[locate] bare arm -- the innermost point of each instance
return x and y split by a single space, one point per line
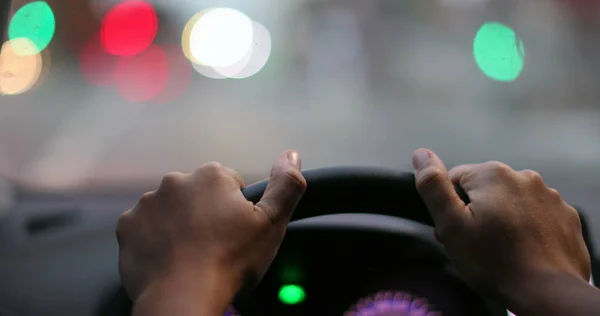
187 295
556 295
516 240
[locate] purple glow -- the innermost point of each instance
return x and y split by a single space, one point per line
231 312
392 304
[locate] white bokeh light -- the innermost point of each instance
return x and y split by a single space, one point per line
221 37
261 51
207 71
254 60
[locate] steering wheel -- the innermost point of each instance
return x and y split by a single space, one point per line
346 190
343 190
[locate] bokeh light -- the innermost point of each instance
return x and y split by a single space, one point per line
97 66
236 68
219 37
187 31
46 66
142 77
179 76
250 64
18 72
129 28
34 21
498 52
207 71
261 51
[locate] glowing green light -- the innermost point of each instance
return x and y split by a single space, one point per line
34 21
291 294
498 52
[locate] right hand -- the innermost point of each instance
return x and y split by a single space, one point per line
515 232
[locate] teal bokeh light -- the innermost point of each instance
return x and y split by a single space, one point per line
34 21
498 52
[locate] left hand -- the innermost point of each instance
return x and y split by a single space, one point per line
198 236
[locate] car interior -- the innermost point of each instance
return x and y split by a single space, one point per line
353 85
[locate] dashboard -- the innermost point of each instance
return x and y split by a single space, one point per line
59 256
350 263
339 268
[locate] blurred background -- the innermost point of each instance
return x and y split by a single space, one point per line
100 98
108 94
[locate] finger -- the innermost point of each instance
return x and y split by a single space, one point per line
235 176
214 171
123 226
458 172
437 191
286 187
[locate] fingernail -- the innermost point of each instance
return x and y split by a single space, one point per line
294 158
420 158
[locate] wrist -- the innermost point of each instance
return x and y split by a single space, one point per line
186 292
543 294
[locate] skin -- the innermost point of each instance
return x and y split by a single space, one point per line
517 241
190 246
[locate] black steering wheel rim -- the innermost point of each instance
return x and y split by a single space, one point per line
340 190
343 190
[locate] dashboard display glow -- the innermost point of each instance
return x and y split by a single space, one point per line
392 304
231 312
291 294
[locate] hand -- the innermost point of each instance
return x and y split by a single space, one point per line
516 232
198 236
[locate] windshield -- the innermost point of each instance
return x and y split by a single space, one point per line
102 92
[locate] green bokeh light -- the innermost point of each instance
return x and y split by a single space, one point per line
291 294
498 52
34 21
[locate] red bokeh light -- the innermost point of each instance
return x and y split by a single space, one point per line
97 66
179 77
129 28
142 77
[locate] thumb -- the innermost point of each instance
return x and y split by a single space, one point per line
436 189
285 189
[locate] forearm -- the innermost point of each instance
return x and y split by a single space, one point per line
556 296
186 296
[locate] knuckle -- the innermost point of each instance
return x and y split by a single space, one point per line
574 215
498 168
532 176
147 198
554 193
212 169
429 176
123 222
171 179
294 176
213 166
